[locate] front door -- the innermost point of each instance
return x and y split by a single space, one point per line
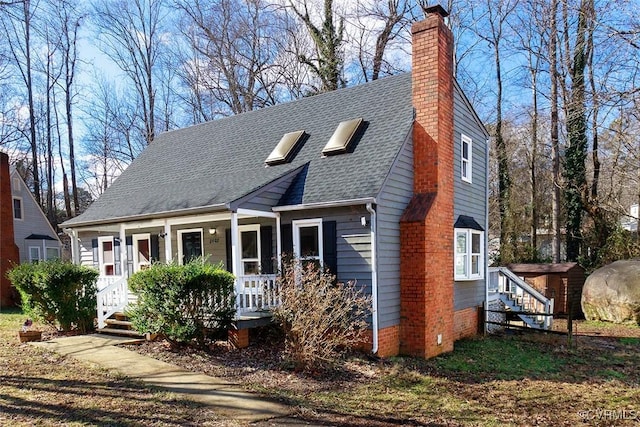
141 251
250 249
190 245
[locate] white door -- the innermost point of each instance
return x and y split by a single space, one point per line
141 251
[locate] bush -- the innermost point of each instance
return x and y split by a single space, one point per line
182 302
59 293
320 318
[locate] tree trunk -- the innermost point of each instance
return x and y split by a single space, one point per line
555 147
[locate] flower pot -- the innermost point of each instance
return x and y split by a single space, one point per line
28 336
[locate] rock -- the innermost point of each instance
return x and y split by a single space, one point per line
612 293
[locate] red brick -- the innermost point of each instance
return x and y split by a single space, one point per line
9 255
426 228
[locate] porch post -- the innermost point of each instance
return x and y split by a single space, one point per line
123 252
235 269
167 242
75 247
278 242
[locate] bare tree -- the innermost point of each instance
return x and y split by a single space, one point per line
234 45
16 24
131 35
376 26
327 61
497 13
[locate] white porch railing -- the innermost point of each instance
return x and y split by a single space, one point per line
255 293
113 296
503 282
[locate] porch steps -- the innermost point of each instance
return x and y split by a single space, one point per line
118 324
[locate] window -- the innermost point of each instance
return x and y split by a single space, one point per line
17 208
106 256
307 240
34 253
469 257
52 253
465 154
250 248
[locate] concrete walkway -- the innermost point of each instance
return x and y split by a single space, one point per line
227 399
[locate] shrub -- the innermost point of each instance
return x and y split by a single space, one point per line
59 293
182 302
320 318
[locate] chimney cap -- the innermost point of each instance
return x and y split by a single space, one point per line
436 9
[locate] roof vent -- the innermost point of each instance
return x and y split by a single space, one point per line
284 148
341 137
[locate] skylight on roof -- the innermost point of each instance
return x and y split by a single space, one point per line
284 148
341 137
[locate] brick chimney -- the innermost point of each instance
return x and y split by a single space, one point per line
426 227
9 255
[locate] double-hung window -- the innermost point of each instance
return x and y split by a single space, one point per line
466 158
17 208
469 254
307 240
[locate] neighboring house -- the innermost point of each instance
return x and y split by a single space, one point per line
384 183
35 237
25 233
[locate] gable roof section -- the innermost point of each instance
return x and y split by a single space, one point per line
209 166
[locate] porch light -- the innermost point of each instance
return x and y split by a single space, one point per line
162 235
212 231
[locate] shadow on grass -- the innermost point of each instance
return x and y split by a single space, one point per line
68 401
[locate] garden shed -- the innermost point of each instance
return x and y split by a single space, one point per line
563 282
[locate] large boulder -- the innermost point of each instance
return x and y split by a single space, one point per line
612 293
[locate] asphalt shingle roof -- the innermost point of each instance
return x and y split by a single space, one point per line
215 163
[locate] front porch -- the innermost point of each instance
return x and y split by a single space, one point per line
256 295
244 242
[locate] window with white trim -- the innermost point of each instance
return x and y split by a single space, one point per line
466 158
250 248
17 208
52 253
469 254
34 253
307 240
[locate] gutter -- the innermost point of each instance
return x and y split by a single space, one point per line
374 277
155 215
362 201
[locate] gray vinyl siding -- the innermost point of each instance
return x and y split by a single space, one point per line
33 222
392 201
353 241
469 198
265 198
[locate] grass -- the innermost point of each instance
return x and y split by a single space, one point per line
496 381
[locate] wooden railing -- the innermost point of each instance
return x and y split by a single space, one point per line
113 297
256 293
503 281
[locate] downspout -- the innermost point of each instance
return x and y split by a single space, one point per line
374 278
486 238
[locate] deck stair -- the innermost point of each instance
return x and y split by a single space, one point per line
119 324
527 304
